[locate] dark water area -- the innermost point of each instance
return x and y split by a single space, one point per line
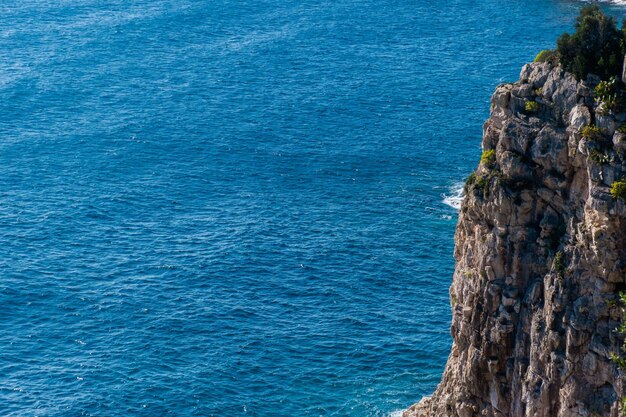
228 208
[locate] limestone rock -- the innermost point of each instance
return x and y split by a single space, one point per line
579 117
533 334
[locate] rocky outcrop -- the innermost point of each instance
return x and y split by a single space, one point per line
540 258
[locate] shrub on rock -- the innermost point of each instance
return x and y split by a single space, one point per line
531 107
596 47
545 55
618 190
488 158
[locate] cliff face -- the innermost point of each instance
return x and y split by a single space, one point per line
540 258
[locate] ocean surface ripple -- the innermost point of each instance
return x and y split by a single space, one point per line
225 208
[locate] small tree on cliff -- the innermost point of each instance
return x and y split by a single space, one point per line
597 46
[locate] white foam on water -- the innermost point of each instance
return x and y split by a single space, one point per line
454 196
614 2
397 413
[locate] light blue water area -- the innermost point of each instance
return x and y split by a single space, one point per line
231 207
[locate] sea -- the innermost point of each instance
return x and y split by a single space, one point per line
240 208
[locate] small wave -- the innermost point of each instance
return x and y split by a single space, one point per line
454 196
611 2
397 413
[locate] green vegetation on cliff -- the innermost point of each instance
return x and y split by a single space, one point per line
545 55
596 47
618 190
531 107
592 132
488 158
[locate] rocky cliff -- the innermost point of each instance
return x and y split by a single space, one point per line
540 259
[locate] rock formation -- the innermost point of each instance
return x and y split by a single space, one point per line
540 259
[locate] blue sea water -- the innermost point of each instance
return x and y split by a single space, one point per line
236 208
